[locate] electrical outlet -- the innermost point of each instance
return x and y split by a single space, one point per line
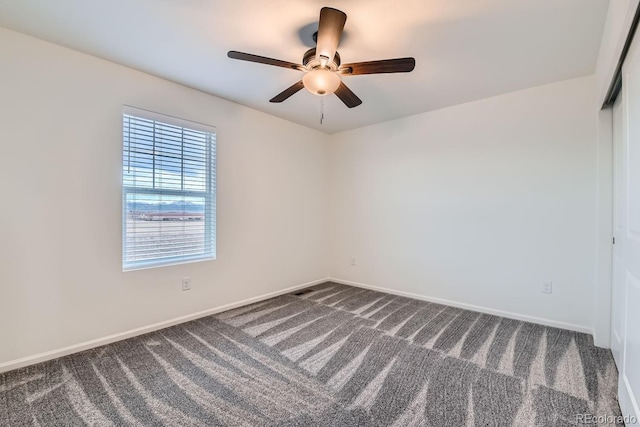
547 287
186 283
353 261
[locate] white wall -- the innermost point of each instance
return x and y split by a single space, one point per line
476 204
60 219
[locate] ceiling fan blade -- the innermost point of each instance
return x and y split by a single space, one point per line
329 33
347 96
398 65
287 92
264 60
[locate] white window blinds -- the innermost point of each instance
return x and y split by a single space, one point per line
169 190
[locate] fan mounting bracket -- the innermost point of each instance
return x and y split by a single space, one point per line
310 61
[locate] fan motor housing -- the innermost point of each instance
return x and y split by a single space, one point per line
309 60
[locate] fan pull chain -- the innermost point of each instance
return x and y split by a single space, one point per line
321 110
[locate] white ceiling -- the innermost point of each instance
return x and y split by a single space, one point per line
465 49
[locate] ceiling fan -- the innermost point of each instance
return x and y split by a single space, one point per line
322 66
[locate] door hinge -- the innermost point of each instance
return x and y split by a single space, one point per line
614 240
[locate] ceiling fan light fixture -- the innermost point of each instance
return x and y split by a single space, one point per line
322 65
321 81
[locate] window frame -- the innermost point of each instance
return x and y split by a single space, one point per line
208 194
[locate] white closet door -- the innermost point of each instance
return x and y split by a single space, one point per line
626 258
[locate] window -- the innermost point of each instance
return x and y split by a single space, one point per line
168 190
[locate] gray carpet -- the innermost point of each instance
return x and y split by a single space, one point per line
336 356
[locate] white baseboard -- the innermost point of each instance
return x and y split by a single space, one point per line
508 314
600 340
53 354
